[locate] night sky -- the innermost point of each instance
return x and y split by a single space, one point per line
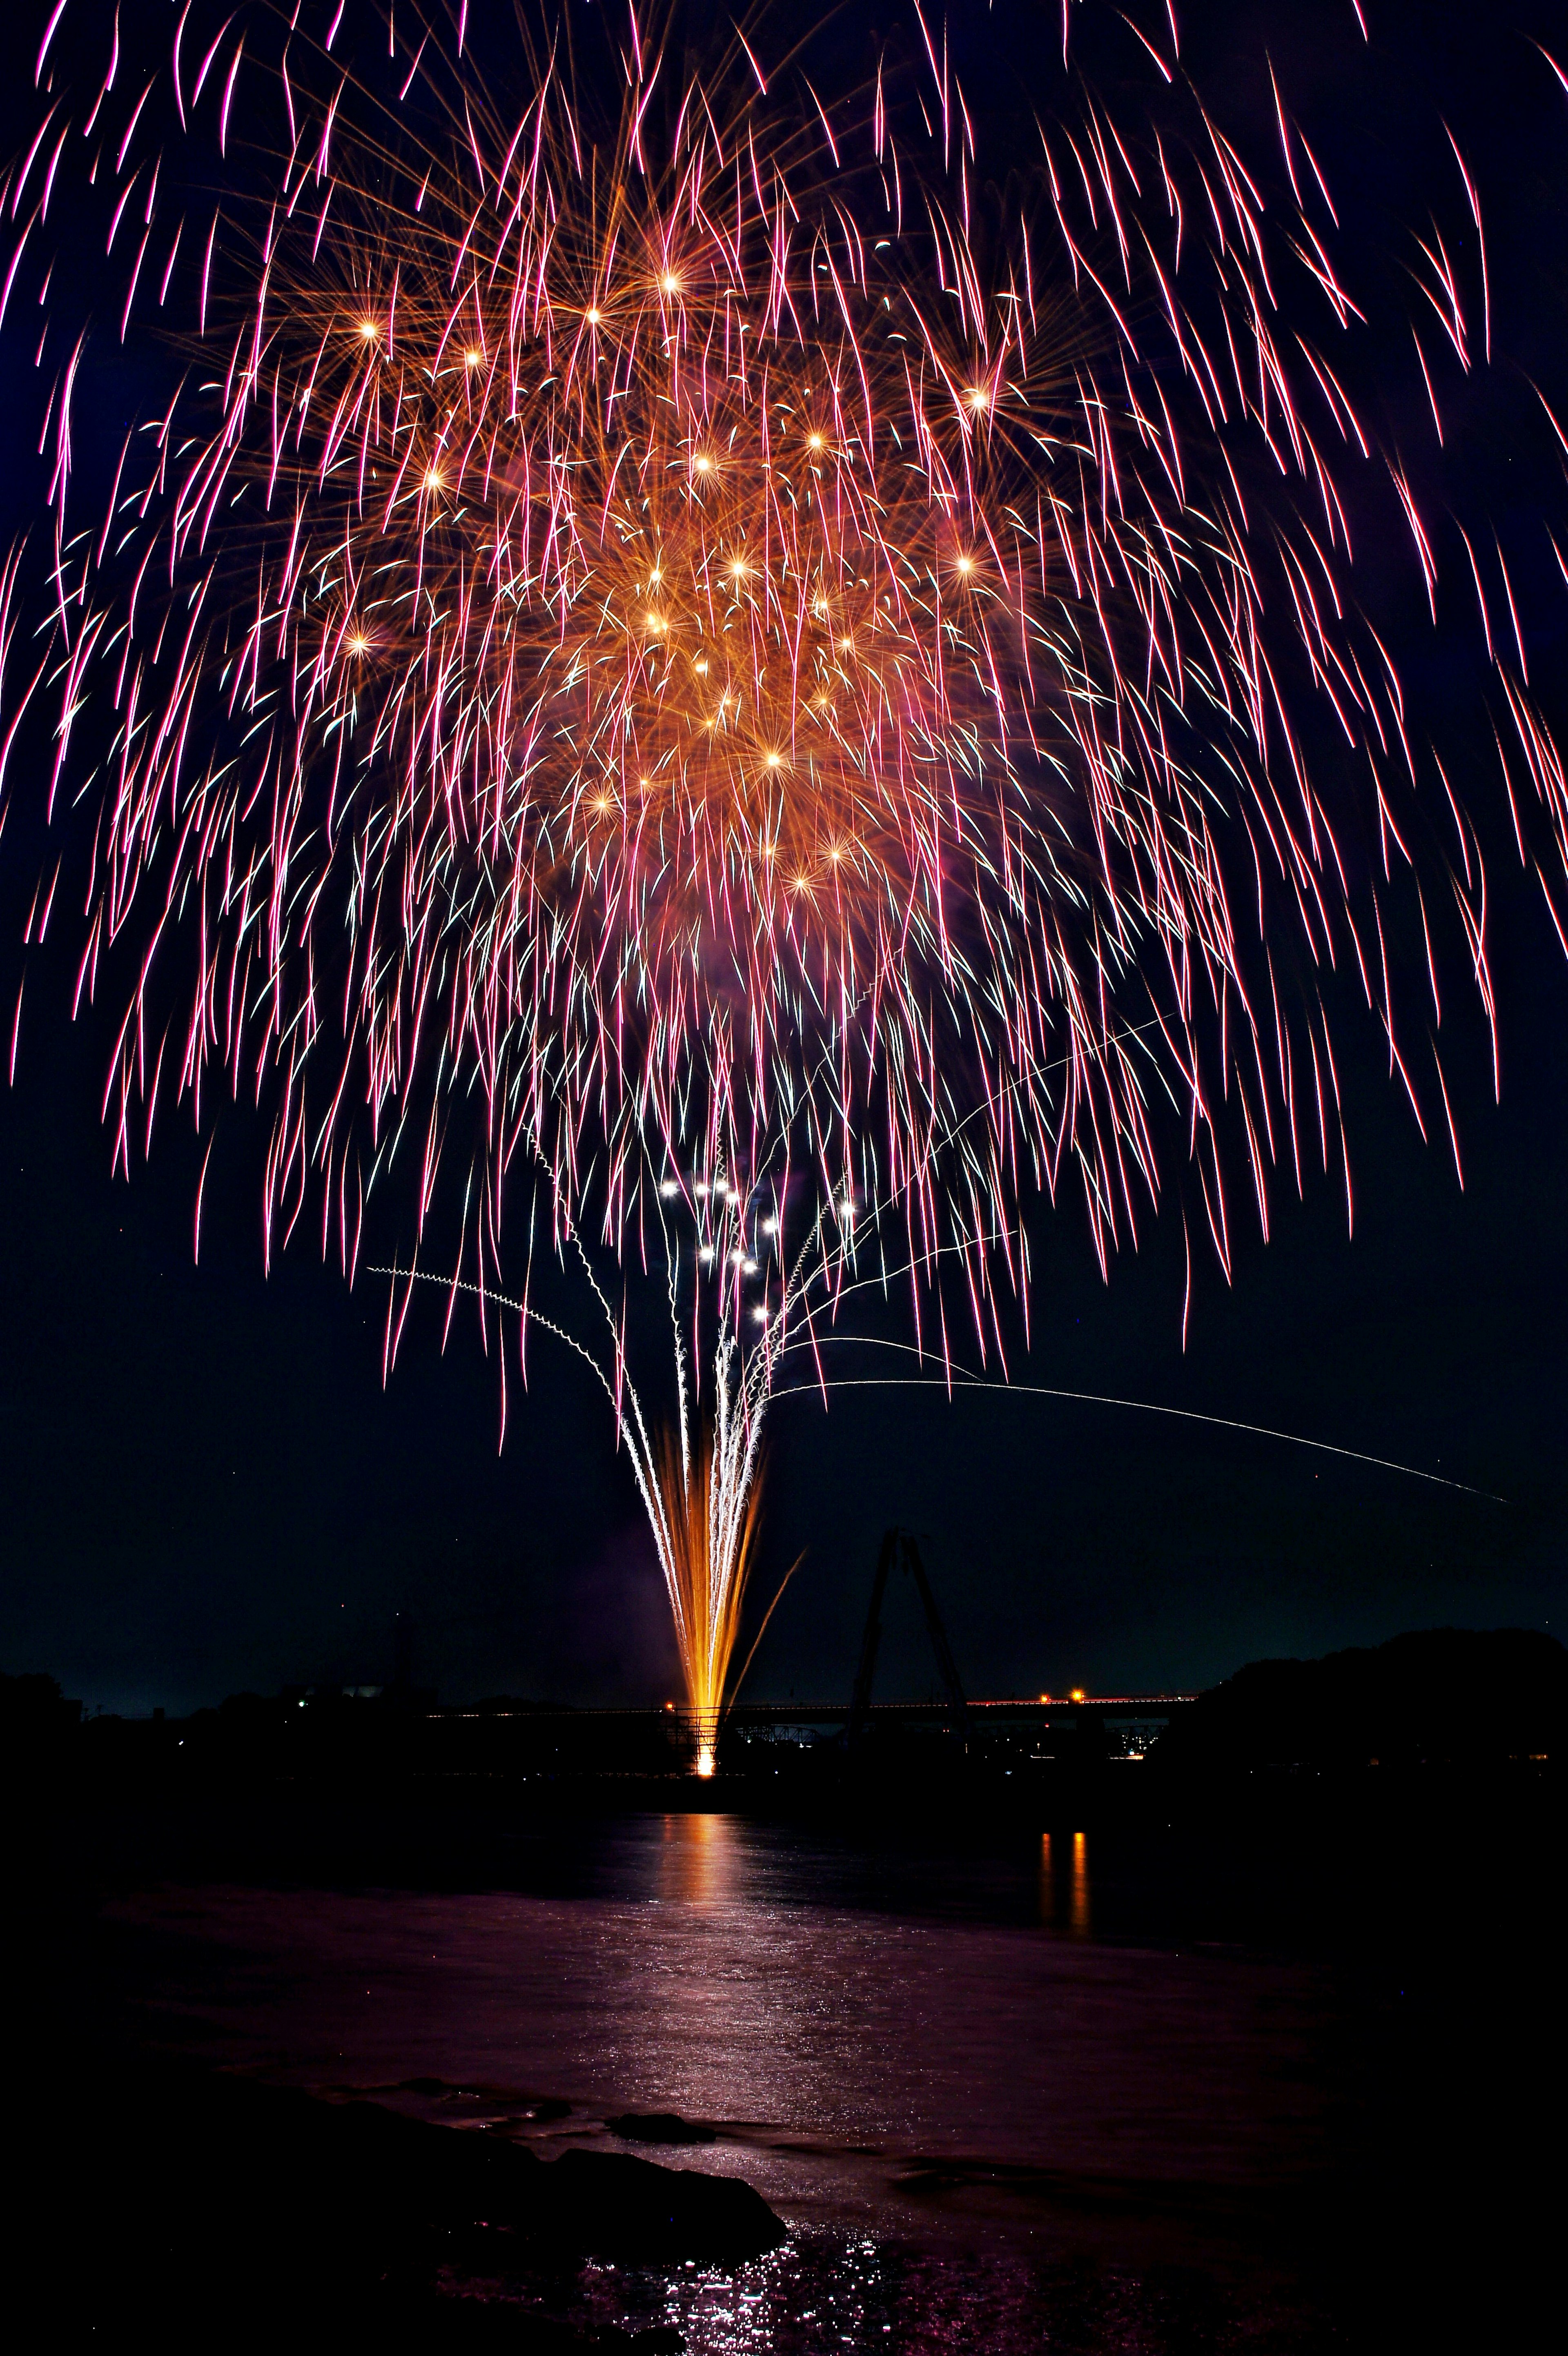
206 1487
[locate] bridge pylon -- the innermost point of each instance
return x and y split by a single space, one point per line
898 1546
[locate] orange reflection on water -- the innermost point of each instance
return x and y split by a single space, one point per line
698 1860
1071 1894
1078 1916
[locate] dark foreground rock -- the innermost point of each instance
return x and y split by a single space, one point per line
615 2206
660 2127
592 2203
186 2197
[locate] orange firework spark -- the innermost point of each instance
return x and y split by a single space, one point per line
650 536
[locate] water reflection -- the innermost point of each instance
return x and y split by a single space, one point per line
699 1861
1079 1917
818 2291
860 2295
1071 1894
930 2081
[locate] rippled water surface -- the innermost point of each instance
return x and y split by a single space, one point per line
987 2124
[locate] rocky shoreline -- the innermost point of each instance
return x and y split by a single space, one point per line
216 2202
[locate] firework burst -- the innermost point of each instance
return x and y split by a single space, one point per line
669 655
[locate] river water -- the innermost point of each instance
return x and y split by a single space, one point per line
1005 2095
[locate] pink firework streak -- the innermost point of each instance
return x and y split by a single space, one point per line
667 656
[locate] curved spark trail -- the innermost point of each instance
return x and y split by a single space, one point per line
676 678
963 1385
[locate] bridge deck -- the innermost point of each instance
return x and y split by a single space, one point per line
833 1713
